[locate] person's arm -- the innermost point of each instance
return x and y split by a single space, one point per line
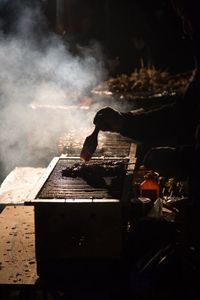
154 126
151 127
161 125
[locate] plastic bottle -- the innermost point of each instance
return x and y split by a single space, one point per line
149 188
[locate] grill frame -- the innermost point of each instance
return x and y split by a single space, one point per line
54 248
33 196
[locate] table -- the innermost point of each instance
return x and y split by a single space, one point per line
17 186
17 246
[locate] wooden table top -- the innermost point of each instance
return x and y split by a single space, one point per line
18 185
17 246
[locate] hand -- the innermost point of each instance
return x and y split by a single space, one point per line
108 119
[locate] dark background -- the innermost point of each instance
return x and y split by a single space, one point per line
129 30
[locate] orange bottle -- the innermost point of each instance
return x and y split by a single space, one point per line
149 188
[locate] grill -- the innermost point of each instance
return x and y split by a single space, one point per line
75 221
54 186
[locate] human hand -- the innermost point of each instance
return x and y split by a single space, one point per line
108 119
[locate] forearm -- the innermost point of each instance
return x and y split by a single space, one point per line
151 127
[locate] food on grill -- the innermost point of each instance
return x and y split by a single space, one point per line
144 82
103 174
108 168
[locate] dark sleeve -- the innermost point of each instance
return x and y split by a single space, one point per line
163 126
151 127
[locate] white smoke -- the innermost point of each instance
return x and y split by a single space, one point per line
38 68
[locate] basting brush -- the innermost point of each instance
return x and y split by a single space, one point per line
90 145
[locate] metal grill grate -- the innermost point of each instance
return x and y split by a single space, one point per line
109 145
53 186
59 187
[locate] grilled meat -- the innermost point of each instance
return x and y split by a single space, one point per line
108 168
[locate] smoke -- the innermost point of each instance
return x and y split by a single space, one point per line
38 68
